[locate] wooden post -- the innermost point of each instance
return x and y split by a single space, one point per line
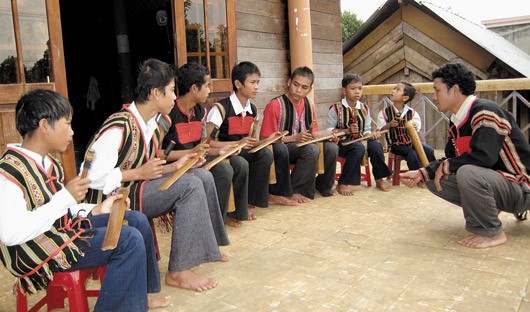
300 40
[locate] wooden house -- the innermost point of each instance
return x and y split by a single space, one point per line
90 50
408 39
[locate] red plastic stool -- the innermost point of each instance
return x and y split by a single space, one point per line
394 163
366 177
70 284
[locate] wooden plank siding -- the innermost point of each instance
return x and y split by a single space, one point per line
263 38
326 32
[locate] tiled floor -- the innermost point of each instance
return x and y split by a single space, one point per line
374 251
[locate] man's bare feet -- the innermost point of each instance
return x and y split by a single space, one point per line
281 200
232 222
251 215
224 257
344 189
190 280
155 301
381 184
478 241
299 198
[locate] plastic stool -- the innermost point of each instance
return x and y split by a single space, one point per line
70 284
366 177
394 163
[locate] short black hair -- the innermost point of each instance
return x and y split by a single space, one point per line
409 91
191 74
304 71
153 74
40 104
351 78
456 74
242 70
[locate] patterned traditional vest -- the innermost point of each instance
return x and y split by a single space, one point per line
399 134
234 127
185 130
289 120
347 115
57 248
132 153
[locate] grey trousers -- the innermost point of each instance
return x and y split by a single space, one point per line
482 192
198 228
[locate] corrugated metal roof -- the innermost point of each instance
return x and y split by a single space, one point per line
501 48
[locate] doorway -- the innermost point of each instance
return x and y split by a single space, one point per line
94 68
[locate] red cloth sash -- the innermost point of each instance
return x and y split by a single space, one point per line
238 125
188 132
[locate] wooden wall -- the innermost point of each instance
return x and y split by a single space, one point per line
263 38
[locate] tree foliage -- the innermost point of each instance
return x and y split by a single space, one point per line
350 24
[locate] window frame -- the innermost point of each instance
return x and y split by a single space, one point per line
181 53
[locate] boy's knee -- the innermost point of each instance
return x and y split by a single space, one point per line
312 150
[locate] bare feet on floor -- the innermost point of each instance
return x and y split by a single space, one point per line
190 280
299 198
224 257
381 184
344 189
478 241
155 301
232 222
281 200
251 215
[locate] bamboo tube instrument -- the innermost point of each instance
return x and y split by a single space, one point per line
117 213
228 153
89 157
320 163
182 170
363 138
254 134
323 138
231 201
416 143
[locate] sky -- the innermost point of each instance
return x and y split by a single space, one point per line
475 10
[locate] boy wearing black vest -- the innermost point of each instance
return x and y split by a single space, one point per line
353 117
44 230
393 118
294 112
235 116
188 127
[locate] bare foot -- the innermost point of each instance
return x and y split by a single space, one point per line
251 215
381 184
224 257
190 280
346 190
478 241
299 198
154 301
281 200
232 222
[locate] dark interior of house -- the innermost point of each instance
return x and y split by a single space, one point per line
95 72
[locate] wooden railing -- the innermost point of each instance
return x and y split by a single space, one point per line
515 103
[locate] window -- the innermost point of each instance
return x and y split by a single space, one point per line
206 35
24 52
